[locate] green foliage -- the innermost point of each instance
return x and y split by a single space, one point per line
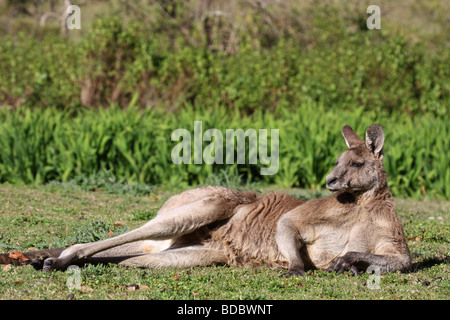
304 69
37 79
108 148
131 64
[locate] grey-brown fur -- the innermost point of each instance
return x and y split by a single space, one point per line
355 227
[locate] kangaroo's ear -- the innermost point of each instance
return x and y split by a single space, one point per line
375 139
351 138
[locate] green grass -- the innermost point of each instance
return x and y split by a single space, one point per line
58 215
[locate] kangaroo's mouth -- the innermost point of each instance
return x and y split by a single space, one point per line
338 187
334 187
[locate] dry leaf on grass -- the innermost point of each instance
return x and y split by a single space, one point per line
17 255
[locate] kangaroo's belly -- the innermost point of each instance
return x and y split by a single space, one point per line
324 250
330 242
248 238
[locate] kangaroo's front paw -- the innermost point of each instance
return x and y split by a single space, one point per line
342 264
293 272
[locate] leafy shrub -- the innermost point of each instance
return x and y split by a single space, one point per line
38 73
111 147
306 71
131 64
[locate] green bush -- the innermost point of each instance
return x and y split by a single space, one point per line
131 64
133 146
38 73
265 68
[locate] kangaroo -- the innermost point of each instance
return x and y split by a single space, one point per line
354 228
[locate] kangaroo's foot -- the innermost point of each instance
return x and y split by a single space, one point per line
53 264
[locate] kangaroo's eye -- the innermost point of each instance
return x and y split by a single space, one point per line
357 164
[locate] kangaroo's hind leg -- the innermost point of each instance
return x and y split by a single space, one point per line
181 258
152 246
172 224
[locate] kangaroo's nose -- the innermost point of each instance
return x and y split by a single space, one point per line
331 180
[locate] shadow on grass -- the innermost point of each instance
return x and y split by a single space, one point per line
428 263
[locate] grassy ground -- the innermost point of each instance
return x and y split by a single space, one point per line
57 215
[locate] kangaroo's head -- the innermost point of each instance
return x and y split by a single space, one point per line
360 168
